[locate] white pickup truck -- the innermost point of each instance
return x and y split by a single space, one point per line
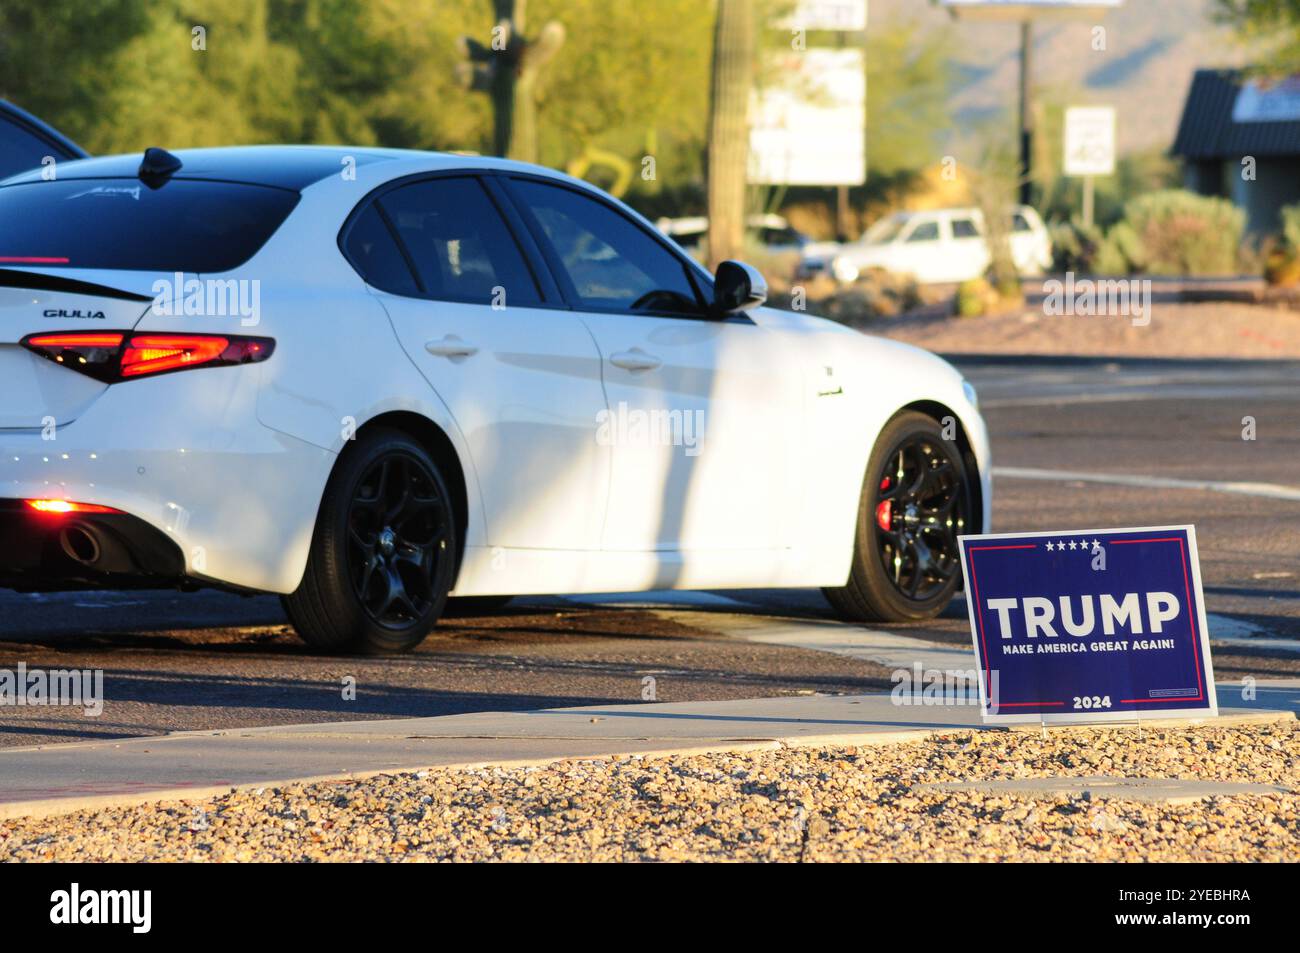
938 246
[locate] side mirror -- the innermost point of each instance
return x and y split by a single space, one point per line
737 287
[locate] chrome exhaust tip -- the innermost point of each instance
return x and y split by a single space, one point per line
81 543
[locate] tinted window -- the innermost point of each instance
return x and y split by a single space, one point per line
1020 223
459 243
925 232
964 228
374 253
612 264
20 150
120 223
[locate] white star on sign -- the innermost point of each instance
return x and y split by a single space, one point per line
1072 546
1096 544
1050 547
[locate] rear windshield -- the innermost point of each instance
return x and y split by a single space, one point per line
186 225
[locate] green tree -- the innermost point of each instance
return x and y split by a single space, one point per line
631 73
994 186
56 56
909 83
347 68
1271 26
200 79
119 75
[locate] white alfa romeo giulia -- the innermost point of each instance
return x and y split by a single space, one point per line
367 380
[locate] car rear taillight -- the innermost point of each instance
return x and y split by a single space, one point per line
60 507
113 356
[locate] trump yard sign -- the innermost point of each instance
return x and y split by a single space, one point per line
1095 625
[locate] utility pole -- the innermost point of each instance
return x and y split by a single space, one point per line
507 69
728 163
1026 112
1026 11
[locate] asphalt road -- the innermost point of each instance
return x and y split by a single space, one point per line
1164 436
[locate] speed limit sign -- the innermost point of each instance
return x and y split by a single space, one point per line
1090 140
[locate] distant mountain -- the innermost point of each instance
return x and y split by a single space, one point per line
1152 49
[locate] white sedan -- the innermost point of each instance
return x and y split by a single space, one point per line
368 380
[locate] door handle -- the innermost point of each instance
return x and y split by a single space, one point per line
451 346
634 360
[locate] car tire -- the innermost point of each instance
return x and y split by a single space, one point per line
916 500
383 554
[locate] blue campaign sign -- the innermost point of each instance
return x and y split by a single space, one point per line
1094 625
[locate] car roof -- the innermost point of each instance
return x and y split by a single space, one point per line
699 224
954 210
286 167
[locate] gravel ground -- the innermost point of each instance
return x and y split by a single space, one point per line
834 804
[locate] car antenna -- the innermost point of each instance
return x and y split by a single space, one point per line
157 167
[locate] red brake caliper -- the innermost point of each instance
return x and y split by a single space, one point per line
885 509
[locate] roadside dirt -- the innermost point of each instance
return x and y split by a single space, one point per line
1176 330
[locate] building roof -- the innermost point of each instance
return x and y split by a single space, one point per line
1209 131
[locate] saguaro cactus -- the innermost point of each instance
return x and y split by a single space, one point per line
507 69
733 72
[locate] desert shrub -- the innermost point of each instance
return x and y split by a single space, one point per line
876 294
972 298
1282 256
1074 245
1121 252
1291 226
1182 233
1282 267
1277 257
982 296
1088 250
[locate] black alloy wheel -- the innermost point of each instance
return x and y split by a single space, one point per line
916 500
398 528
384 553
921 507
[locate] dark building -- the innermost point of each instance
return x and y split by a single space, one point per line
1232 129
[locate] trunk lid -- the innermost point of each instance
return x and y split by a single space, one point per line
35 392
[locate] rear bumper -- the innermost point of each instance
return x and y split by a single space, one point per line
187 458
44 552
